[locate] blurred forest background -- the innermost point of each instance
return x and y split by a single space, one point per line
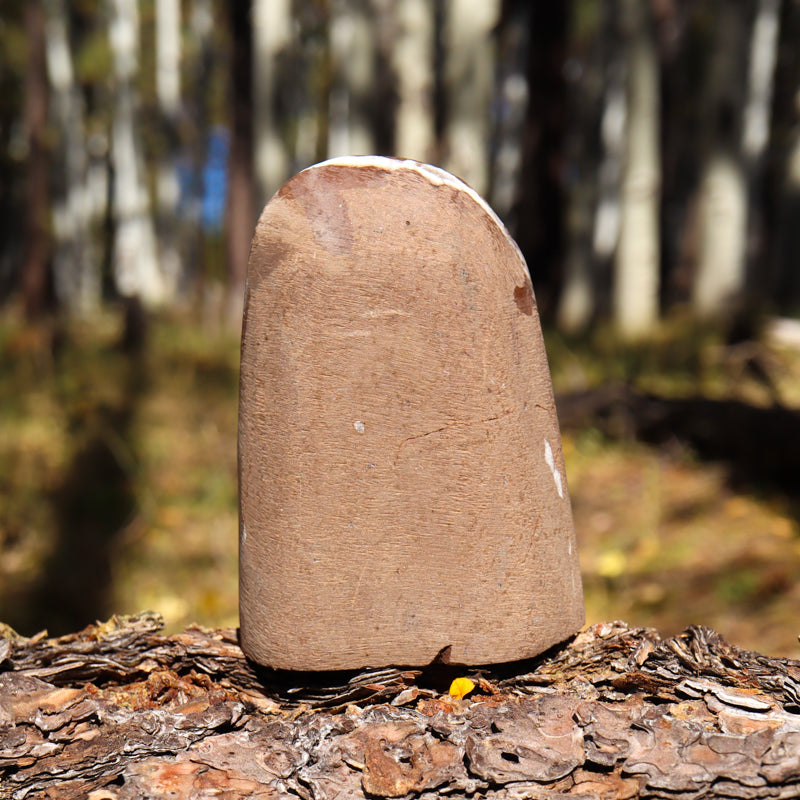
644 153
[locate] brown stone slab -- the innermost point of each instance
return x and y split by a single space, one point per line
402 484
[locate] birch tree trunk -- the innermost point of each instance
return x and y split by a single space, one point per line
613 124
413 66
469 80
763 54
76 267
722 194
723 222
636 278
136 268
353 58
272 27
168 91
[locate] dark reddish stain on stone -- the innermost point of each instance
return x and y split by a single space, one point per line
523 297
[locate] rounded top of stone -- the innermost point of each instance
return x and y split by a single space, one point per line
434 175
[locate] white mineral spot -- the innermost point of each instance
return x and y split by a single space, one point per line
550 461
244 534
359 426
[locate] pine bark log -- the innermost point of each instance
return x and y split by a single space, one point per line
121 711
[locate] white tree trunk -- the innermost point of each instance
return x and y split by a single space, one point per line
636 279
76 268
353 57
763 54
469 53
612 131
722 194
168 91
593 196
577 302
413 66
136 268
272 33
168 56
723 224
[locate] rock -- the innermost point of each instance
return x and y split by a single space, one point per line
402 485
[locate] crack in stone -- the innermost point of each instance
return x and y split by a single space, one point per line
467 423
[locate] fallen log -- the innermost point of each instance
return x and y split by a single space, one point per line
121 711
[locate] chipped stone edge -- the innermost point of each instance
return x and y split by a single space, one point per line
551 463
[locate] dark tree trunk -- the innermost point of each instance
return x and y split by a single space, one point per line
539 221
241 215
34 279
681 111
780 284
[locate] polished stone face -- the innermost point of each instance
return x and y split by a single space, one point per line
402 485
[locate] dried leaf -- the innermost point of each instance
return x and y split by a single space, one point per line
461 687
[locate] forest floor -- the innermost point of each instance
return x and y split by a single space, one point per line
118 482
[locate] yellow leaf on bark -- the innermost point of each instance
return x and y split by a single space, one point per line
461 687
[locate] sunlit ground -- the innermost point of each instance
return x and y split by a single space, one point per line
118 489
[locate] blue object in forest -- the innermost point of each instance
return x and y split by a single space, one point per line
215 180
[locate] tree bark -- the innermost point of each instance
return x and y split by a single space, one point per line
612 132
510 108
413 58
37 249
469 79
352 46
272 24
539 221
722 194
782 287
136 267
636 278
590 101
121 711
241 208
168 91
76 265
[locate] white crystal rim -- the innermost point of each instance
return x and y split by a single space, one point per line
435 175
